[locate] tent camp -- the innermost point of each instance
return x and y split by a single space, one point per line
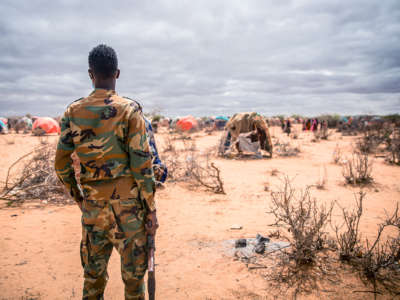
46 125
186 123
243 123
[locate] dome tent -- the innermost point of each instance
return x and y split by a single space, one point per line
186 123
48 125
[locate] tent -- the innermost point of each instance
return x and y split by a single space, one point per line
27 121
186 123
222 118
48 125
247 122
4 120
3 127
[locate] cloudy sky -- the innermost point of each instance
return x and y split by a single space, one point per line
206 57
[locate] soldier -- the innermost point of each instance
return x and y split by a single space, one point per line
117 186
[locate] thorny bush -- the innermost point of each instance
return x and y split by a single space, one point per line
380 260
205 173
38 179
304 219
393 147
348 241
358 169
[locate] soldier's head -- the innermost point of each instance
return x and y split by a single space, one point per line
103 67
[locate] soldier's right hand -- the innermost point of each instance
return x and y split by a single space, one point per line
151 224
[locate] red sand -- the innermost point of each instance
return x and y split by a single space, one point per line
39 245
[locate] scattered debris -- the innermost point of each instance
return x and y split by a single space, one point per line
240 243
236 227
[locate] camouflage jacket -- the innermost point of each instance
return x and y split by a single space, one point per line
108 133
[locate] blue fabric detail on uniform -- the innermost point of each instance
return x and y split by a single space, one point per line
154 152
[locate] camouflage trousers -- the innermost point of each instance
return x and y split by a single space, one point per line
105 225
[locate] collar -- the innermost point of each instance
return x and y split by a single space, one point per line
103 93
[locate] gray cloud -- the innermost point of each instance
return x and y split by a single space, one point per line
206 57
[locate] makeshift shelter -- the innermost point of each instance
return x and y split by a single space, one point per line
46 125
222 118
220 122
187 123
27 121
3 127
4 120
243 123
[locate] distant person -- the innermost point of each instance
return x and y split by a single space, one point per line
117 186
288 127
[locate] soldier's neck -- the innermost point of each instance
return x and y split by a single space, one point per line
106 85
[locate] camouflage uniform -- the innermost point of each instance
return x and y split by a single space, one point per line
116 188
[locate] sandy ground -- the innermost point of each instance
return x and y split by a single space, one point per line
39 244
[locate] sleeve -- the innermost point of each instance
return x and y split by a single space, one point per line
140 158
63 161
160 170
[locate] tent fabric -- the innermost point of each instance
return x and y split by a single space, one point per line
222 118
2 124
186 123
49 125
4 120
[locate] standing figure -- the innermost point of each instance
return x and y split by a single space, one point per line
117 187
288 127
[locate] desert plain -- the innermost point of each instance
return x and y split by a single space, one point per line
39 241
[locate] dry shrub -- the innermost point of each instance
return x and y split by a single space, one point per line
322 179
376 262
286 149
274 172
205 173
8 140
304 219
170 157
175 168
337 155
373 136
38 179
358 169
348 241
380 260
169 145
189 146
322 134
393 147
316 137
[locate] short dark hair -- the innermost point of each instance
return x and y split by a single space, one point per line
103 61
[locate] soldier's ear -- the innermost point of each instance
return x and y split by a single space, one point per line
117 74
91 74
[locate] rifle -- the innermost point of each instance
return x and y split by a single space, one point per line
151 279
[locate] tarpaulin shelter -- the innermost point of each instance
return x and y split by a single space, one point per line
248 122
186 123
27 121
48 125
